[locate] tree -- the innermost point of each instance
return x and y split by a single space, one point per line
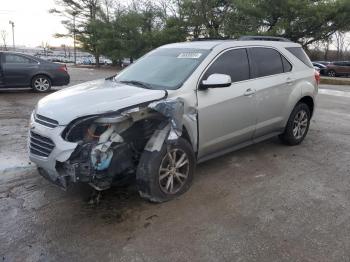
3 35
206 18
340 43
117 30
302 21
46 47
80 18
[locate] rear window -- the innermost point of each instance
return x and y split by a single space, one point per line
340 63
299 53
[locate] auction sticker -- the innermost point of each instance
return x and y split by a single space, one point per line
190 55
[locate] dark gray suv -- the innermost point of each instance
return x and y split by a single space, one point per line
20 70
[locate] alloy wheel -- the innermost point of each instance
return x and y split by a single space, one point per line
173 171
41 84
331 73
300 124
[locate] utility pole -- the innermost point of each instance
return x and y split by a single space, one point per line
74 45
13 33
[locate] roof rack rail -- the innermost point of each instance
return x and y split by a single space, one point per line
210 39
263 38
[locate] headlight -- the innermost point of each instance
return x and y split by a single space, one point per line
76 130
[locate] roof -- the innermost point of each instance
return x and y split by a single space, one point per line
210 44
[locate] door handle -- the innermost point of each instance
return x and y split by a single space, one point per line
289 81
249 92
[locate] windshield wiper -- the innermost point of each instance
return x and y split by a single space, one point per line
137 83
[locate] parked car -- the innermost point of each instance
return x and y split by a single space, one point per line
126 62
20 70
325 63
87 61
321 68
179 105
340 68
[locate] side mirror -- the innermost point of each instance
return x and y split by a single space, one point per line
215 81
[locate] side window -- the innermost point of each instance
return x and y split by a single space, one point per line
266 61
233 63
299 53
287 67
17 59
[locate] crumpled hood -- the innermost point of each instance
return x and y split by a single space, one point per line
94 97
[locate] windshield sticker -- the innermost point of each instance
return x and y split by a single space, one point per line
190 55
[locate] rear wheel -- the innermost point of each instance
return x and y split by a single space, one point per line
41 83
164 175
331 73
297 125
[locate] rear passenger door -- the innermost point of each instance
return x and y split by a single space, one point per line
226 116
18 69
273 83
342 68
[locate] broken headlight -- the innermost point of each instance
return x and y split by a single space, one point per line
76 130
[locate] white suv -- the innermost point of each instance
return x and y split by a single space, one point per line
179 105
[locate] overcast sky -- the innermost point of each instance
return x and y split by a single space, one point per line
33 23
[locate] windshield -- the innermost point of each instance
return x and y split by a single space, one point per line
165 68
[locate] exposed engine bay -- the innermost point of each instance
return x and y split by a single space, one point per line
110 145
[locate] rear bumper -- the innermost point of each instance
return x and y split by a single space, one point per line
61 80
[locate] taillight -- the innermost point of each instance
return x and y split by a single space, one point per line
317 77
63 68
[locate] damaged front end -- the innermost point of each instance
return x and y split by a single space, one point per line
109 146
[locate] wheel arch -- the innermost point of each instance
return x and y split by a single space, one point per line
309 101
185 135
40 74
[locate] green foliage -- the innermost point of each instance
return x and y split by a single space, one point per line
304 21
108 28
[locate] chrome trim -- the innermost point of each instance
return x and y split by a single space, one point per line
40 145
45 121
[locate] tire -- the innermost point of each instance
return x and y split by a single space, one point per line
154 165
297 125
41 83
331 73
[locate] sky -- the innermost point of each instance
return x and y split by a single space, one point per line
33 23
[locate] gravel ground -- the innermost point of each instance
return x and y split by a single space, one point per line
267 202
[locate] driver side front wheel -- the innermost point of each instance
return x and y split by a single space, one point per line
166 174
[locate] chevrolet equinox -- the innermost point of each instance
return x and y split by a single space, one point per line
179 105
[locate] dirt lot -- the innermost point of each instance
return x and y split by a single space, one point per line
267 202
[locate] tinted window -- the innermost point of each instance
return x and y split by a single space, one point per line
266 61
287 67
233 63
17 59
301 55
339 63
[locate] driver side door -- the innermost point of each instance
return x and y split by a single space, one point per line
227 116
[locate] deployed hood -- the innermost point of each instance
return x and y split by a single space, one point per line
95 97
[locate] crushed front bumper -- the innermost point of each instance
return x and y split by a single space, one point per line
60 152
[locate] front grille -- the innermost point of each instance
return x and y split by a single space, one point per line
40 146
45 121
